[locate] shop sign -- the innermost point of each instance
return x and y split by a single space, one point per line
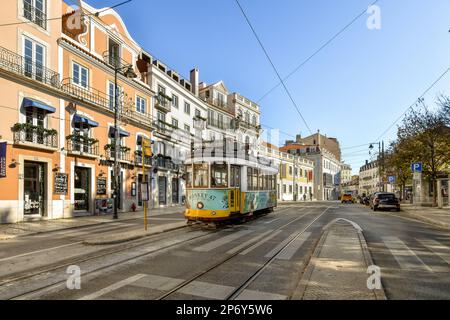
2 159
61 183
101 186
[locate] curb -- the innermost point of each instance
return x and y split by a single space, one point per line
7 237
380 294
299 292
134 237
421 218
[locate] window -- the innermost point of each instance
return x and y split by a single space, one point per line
249 178
114 52
254 121
219 175
187 108
175 122
189 173
201 175
175 101
80 75
34 10
247 117
141 104
235 179
220 99
290 189
255 179
161 119
284 188
198 113
112 96
34 54
221 126
210 117
187 128
290 170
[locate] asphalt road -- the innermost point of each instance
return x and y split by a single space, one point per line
238 262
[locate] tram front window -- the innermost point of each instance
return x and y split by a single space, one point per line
201 175
219 176
189 174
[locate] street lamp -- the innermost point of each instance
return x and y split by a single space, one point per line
380 160
129 73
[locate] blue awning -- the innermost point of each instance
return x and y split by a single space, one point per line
31 103
80 119
122 133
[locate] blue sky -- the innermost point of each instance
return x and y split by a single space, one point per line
353 89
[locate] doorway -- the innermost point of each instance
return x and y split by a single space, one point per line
82 190
162 190
175 190
34 188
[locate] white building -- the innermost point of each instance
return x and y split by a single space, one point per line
369 178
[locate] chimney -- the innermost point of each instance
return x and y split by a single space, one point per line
194 81
319 142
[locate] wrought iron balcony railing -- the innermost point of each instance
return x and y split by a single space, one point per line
24 134
34 14
15 63
166 163
148 161
82 145
124 155
218 124
162 102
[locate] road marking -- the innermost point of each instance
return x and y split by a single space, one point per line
158 282
289 251
113 287
224 240
280 245
256 245
75 233
269 222
405 257
259 295
249 242
438 248
40 251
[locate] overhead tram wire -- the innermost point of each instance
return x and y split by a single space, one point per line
415 102
59 18
323 46
273 65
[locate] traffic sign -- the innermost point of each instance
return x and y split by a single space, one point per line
417 167
392 179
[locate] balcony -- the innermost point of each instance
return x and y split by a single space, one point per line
163 128
124 153
14 63
166 163
79 145
218 124
35 136
138 159
163 102
34 15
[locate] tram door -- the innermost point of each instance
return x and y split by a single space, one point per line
235 184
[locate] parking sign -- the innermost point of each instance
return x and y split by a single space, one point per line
417 167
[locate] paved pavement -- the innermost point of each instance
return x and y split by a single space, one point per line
10 231
435 216
264 259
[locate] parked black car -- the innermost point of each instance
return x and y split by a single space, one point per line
384 200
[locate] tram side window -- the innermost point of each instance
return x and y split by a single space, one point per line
267 182
235 179
261 180
250 179
219 175
201 175
189 172
255 179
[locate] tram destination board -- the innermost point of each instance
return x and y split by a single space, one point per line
61 183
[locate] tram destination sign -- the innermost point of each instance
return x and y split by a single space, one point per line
61 183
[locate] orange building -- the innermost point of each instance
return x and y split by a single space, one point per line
57 83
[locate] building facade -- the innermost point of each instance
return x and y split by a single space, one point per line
369 178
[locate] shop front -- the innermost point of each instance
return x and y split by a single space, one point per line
34 189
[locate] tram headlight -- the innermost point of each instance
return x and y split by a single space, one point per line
213 213
200 205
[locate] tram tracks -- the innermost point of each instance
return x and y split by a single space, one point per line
233 295
11 281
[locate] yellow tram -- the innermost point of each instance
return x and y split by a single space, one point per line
223 186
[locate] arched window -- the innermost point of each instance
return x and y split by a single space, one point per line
247 140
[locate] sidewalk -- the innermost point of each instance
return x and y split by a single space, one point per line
338 267
11 231
434 216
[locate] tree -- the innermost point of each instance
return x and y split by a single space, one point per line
398 159
426 136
